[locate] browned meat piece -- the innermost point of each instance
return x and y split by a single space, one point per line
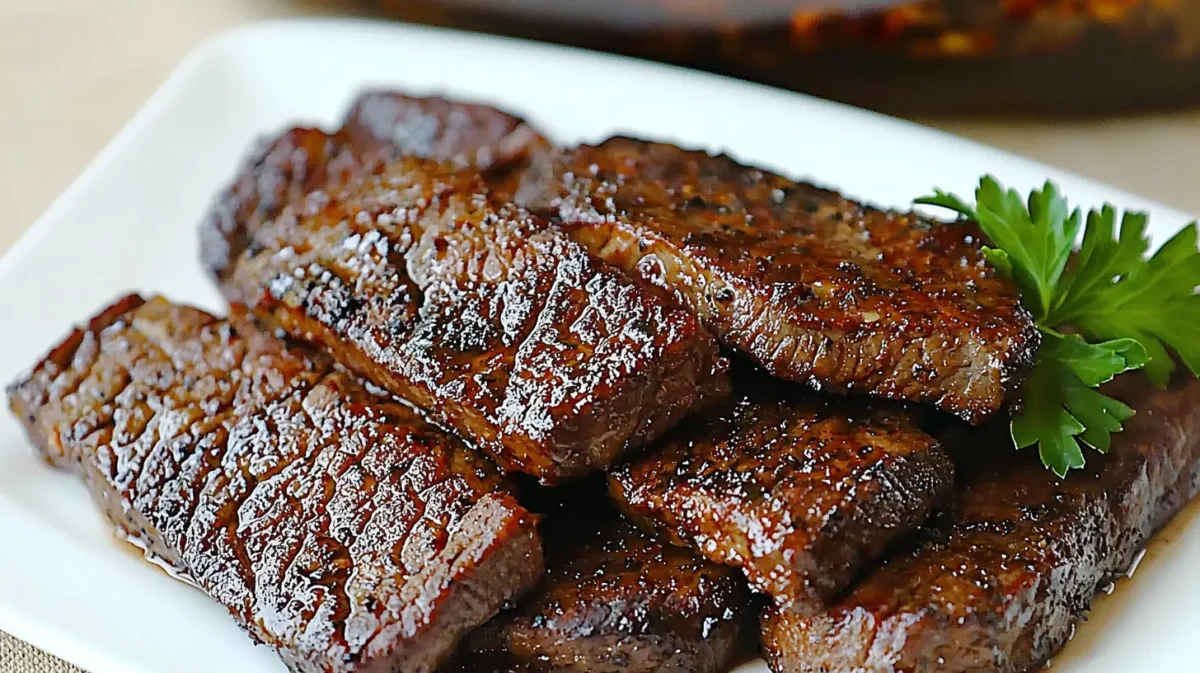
515 158
275 174
335 526
798 492
379 126
813 287
614 601
1002 589
502 327
465 134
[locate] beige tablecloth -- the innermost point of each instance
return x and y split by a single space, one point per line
72 71
17 657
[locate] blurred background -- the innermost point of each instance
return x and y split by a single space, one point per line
1107 88
939 57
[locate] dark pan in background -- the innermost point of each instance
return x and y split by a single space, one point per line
923 57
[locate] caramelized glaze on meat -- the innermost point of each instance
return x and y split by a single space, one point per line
464 134
335 526
614 601
797 492
274 174
503 328
811 286
423 277
380 125
1002 587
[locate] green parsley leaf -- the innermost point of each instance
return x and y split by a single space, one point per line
1130 312
1094 364
1102 257
1117 293
1061 403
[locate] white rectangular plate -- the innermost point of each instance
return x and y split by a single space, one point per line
129 222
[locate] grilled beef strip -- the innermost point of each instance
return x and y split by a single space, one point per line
811 286
614 600
797 491
1001 589
380 125
499 325
424 278
336 526
513 156
466 134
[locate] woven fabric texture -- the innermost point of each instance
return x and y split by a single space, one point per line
17 656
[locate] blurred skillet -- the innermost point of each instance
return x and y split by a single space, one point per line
914 57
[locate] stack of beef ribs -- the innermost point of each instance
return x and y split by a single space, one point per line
770 402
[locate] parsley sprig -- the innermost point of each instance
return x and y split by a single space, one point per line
1102 310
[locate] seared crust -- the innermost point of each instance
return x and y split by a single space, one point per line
422 277
1002 588
275 173
425 283
614 601
380 125
465 134
797 492
335 526
813 287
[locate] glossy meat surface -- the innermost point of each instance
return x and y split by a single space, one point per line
465 134
380 125
614 600
797 492
274 174
337 527
424 282
445 294
1001 588
813 287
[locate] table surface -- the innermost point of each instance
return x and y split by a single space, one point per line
75 70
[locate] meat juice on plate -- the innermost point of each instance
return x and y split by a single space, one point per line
1114 602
